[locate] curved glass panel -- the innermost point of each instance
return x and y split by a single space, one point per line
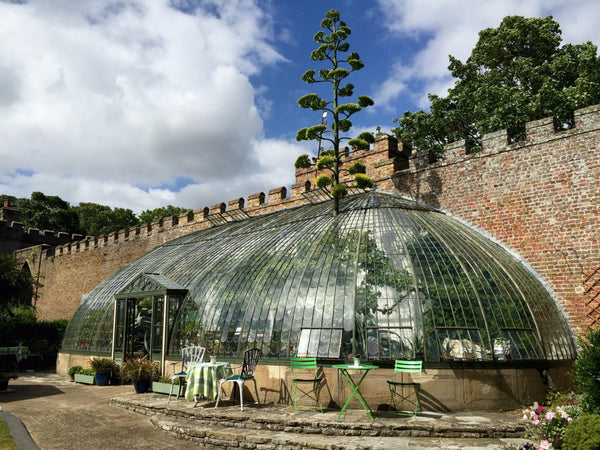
386 278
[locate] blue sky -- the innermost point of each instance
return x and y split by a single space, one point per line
140 104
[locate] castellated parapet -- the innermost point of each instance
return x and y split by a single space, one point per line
539 197
14 237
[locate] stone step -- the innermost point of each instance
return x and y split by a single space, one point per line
216 437
279 427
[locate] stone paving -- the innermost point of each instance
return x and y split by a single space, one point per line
61 414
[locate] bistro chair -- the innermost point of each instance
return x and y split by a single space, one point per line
305 383
247 373
410 370
189 356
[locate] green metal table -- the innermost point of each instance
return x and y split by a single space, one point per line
344 370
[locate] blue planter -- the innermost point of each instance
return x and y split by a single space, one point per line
141 386
102 378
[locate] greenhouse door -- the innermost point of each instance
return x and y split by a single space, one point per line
139 328
145 313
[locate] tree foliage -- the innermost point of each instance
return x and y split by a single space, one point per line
16 285
516 73
97 219
156 214
48 212
89 219
587 371
332 47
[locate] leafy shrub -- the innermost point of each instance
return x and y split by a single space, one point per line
339 191
303 162
323 181
548 423
587 371
363 181
103 365
42 337
75 369
167 379
583 433
357 167
140 369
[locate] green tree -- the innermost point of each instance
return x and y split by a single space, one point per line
153 215
587 370
516 73
96 219
16 285
331 50
48 213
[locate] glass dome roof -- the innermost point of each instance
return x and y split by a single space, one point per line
386 278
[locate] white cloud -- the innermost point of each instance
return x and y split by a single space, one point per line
445 28
276 159
99 98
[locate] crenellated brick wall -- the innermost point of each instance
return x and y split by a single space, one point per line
539 197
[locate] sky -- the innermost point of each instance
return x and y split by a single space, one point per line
148 103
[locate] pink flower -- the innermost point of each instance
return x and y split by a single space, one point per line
540 409
545 445
562 412
550 415
536 422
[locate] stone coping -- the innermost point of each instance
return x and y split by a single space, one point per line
354 422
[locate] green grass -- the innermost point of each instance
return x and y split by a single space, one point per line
6 440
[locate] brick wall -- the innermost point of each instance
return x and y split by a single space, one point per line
539 197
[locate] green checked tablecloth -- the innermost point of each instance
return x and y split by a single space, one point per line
203 379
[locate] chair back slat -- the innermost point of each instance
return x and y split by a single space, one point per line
303 363
251 358
408 366
413 367
192 355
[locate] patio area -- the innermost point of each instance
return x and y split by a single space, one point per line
61 414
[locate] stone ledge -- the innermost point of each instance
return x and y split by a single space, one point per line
268 424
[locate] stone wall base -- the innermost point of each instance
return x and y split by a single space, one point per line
442 389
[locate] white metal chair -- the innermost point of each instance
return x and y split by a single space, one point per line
189 356
248 366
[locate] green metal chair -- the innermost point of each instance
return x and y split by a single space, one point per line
305 383
399 384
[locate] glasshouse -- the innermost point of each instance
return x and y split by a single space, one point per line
387 278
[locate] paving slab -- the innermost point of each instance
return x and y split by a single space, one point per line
59 414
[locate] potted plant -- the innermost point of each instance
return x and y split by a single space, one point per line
419 348
5 378
103 368
447 351
86 377
163 385
73 370
141 371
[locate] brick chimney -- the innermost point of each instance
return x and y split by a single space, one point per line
8 213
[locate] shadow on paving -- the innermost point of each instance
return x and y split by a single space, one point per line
59 414
19 392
